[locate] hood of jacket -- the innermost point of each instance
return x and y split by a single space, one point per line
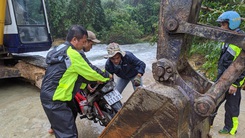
57 54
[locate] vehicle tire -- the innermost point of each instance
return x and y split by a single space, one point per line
107 118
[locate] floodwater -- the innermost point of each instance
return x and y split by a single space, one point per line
22 115
20 110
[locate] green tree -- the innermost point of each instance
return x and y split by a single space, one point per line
64 13
56 13
124 33
146 14
213 9
209 49
121 28
141 16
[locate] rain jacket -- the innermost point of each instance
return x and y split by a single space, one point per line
228 54
65 65
81 83
129 67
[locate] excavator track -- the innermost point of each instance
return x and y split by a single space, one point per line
29 67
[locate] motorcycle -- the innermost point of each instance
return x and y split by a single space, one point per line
97 106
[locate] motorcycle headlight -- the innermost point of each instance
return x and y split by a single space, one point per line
108 87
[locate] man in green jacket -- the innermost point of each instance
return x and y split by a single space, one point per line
65 65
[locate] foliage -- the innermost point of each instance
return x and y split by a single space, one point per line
124 33
55 10
210 49
112 4
105 17
102 15
122 29
146 14
119 23
211 52
64 13
216 8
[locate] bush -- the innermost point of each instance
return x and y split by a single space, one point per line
211 51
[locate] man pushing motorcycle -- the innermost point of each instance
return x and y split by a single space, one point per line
65 64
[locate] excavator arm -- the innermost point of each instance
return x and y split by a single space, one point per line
179 102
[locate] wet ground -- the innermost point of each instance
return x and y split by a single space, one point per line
22 116
219 122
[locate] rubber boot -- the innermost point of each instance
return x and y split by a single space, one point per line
235 125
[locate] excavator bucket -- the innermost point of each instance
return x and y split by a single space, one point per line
179 102
163 113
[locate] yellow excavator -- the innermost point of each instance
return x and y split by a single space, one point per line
176 105
23 28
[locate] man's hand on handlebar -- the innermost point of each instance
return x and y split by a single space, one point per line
90 88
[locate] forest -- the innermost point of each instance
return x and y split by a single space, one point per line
135 21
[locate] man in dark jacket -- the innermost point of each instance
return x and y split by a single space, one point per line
230 20
65 65
80 84
126 66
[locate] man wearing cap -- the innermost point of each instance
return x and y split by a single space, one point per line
91 40
125 65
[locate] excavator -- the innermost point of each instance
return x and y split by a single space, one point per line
23 28
179 102
176 105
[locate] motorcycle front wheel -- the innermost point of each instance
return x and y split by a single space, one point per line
107 119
